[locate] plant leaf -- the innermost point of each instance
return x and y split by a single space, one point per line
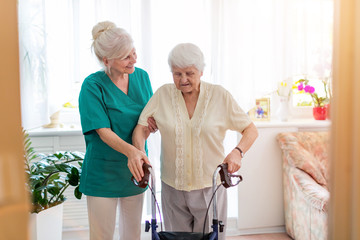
74 177
63 167
77 193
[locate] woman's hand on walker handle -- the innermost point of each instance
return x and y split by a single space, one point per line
135 162
233 159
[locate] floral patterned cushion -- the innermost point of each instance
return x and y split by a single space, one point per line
315 195
305 206
307 151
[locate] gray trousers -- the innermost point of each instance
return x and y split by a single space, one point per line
185 211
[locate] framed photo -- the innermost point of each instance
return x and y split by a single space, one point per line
261 111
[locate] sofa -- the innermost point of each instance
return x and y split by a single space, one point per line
305 182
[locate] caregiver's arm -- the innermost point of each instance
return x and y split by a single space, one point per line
233 159
134 155
140 134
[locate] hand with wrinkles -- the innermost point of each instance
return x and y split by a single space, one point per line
233 159
135 162
152 125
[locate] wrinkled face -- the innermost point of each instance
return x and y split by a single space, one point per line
126 65
187 79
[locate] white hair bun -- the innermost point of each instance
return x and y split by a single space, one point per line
102 27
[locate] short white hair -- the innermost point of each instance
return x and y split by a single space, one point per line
110 41
186 55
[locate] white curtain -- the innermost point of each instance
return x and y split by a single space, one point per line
32 46
249 45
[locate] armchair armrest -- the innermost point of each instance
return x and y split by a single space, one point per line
315 194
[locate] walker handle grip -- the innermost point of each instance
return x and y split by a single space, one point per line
226 177
145 179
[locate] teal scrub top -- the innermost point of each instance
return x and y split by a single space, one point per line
103 105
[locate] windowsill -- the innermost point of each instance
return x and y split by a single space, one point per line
60 131
76 129
303 122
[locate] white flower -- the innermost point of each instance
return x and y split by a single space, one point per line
284 89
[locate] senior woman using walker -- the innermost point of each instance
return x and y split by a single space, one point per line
192 117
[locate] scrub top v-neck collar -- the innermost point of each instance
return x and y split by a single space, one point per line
130 95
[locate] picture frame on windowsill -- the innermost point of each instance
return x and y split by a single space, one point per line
261 111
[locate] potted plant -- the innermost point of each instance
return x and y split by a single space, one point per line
49 175
320 103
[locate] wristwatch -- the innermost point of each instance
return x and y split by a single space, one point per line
241 152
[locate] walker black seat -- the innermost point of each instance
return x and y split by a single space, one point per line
183 236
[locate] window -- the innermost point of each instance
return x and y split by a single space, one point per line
249 46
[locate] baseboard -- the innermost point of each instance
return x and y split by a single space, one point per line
231 230
249 231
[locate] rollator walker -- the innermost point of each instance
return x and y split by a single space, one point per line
227 180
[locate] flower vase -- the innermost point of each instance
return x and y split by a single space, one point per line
319 113
283 110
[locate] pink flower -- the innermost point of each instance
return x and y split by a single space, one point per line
309 89
318 101
300 87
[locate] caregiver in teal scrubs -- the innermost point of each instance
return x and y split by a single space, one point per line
110 103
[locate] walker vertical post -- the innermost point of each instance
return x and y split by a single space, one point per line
214 189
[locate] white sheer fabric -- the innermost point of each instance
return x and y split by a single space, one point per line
249 46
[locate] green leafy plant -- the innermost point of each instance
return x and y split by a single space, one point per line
49 175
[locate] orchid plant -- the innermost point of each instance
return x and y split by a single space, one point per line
302 85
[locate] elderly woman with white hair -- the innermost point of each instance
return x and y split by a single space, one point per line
110 103
192 117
